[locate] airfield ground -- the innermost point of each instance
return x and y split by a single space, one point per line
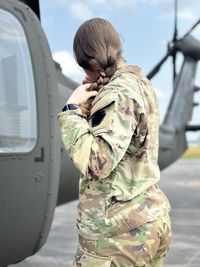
180 182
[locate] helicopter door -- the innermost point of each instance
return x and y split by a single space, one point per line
29 151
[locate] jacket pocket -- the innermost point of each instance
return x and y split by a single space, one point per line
124 216
85 259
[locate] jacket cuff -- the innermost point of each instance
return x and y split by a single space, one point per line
72 112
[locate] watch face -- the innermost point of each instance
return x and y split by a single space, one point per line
72 106
69 107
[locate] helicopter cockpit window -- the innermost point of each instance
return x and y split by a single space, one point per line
17 95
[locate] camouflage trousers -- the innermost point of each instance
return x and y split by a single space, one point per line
145 246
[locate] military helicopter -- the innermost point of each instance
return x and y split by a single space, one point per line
36 173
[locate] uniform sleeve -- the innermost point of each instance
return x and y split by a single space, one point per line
96 146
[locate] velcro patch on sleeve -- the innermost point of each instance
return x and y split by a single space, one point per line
97 117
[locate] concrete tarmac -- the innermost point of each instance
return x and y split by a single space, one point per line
181 184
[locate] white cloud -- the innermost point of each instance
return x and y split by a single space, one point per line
84 9
80 10
170 3
69 66
60 2
185 14
96 2
123 3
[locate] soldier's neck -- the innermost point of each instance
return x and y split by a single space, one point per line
121 63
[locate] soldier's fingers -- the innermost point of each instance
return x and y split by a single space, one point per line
86 86
92 93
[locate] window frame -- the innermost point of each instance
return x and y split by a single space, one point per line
31 100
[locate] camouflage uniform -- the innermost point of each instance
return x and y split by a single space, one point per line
121 209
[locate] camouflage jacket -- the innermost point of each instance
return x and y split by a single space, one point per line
116 151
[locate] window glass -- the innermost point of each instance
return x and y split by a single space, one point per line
17 93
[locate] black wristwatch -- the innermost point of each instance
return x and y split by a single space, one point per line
69 107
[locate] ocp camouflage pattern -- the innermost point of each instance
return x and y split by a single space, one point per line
116 151
145 246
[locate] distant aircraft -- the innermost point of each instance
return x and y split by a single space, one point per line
36 173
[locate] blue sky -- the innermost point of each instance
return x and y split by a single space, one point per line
144 25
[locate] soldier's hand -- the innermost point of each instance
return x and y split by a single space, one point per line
81 94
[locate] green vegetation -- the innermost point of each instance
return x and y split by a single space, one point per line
192 153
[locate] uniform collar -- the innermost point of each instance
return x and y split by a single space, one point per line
125 69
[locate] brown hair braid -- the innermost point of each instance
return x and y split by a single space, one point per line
97 48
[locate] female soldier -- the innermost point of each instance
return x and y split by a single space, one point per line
122 214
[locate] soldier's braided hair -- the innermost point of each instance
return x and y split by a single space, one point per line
97 48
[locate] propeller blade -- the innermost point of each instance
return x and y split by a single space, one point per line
191 29
175 21
171 51
174 41
158 66
174 68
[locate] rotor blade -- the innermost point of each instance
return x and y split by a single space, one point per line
174 68
175 20
192 28
158 66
